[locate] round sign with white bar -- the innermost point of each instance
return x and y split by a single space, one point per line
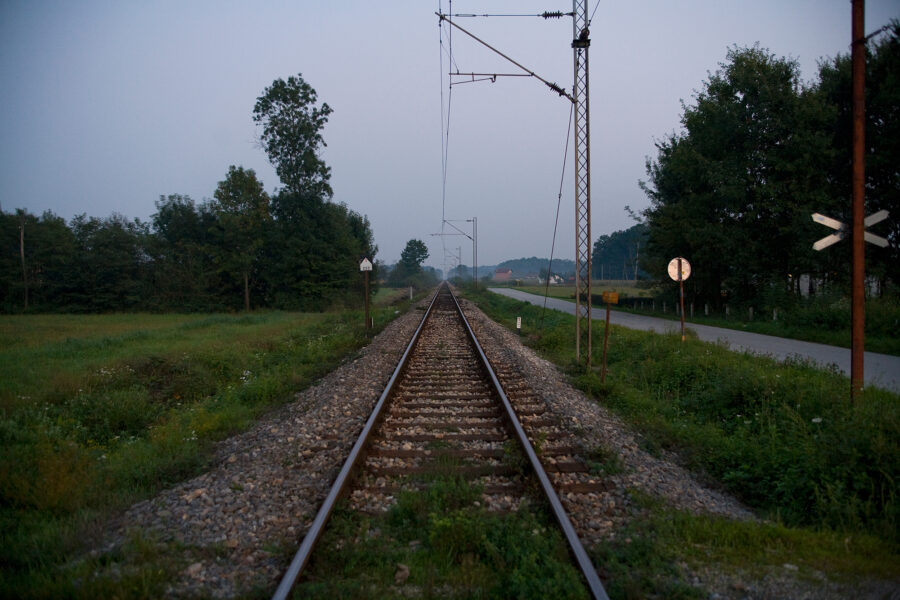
685 269
365 265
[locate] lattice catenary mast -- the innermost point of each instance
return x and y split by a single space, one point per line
579 98
580 44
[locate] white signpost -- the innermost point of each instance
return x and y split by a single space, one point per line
365 266
843 230
679 270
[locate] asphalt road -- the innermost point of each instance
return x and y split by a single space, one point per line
880 370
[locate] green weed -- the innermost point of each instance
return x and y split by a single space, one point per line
783 437
452 547
97 412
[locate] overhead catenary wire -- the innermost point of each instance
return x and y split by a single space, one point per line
562 178
556 14
556 88
596 6
445 127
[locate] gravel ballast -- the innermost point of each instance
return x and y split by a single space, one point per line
237 525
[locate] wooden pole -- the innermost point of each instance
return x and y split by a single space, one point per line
681 290
368 320
605 344
858 296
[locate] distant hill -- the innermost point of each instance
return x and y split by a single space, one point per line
525 266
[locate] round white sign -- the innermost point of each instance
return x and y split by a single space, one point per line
685 269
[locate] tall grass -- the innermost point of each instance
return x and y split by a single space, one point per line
783 437
97 412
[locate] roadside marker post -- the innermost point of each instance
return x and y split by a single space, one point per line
608 298
365 266
679 270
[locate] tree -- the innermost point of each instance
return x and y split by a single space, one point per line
242 207
734 192
47 246
110 271
882 148
413 255
291 135
618 253
409 270
184 274
312 253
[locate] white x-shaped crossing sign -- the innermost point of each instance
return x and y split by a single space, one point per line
843 231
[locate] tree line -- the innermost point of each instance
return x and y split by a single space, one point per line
294 249
758 153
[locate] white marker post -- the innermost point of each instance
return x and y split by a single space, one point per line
365 266
679 270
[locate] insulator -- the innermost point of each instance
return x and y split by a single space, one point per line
552 15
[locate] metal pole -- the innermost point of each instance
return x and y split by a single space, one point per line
681 292
858 296
580 45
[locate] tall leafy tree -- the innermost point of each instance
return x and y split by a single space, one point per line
409 269
312 253
733 193
291 133
111 264
882 148
49 252
184 275
616 256
242 206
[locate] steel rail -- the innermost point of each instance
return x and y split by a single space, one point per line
318 526
581 557
301 558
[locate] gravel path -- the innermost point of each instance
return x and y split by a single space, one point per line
237 525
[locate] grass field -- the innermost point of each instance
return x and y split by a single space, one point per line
99 411
783 438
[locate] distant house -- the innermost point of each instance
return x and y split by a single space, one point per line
556 280
532 279
503 274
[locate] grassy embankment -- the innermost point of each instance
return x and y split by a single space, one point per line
784 438
99 411
823 319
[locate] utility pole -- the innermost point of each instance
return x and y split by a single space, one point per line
858 190
580 44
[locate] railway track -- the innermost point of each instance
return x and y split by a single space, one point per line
445 408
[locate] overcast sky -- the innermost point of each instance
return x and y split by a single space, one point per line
106 105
